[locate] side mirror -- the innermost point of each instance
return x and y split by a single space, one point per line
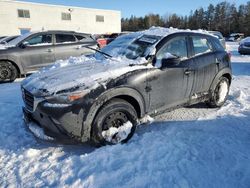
23 44
170 62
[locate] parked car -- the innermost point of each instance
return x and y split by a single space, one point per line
220 37
105 39
32 51
101 98
6 40
236 37
244 47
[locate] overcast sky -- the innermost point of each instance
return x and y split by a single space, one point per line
141 7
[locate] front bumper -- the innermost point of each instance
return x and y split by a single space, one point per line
46 123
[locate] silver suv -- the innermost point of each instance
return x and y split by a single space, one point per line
35 50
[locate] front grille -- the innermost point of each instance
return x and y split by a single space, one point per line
28 100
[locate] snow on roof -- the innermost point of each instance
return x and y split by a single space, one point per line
162 31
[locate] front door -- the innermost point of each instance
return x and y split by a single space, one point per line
37 53
171 85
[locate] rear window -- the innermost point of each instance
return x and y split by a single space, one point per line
201 45
65 38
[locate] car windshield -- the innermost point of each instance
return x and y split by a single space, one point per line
18 39
132 46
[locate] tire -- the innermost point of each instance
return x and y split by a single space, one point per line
8 72
114 115
220 93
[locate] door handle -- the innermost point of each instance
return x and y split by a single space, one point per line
79 47
187 72
49 50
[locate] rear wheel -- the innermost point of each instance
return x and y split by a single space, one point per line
8 72
115 123
220 93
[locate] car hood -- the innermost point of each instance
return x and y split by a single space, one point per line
82 72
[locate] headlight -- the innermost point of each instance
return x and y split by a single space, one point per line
67 97
76 95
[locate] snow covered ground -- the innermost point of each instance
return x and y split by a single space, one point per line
188 147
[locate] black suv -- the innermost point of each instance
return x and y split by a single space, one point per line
103 97
32 51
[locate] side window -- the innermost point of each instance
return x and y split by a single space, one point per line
65 38
80 37
174 47
201 45
39 40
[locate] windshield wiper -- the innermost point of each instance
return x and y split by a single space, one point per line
103 53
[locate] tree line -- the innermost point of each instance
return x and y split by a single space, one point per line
224 17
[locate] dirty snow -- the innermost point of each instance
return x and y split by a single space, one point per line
189 147
117 135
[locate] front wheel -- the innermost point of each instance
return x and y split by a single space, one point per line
115 123
220 93
8 72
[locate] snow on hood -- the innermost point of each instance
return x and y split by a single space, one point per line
85 72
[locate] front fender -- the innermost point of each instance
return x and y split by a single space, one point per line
102 99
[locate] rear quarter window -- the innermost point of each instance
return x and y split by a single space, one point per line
217 44
80 37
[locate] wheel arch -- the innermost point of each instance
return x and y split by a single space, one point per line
130 95
226 72
19 69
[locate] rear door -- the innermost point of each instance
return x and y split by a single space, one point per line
67 45
204 65
38 52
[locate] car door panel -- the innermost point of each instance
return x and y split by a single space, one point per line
67 45
204 67
204 64
36 51
32 58
171 84
169 87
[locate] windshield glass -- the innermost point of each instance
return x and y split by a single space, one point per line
132 46
18 39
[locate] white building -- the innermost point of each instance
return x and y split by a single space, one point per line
20 17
